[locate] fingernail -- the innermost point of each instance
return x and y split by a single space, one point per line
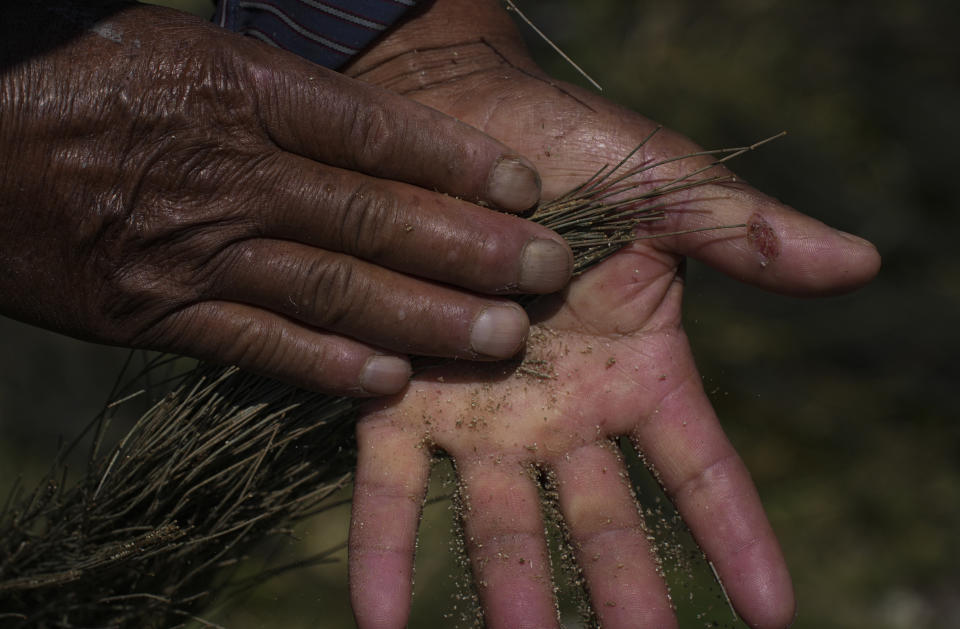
383 375
513 184
854 239
545 266
498 331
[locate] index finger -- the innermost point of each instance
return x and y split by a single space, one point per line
325 116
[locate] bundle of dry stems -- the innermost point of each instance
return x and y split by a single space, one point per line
153 530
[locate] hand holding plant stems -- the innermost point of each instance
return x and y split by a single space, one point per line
608 358
169 185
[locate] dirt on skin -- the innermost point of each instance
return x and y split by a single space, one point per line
541 379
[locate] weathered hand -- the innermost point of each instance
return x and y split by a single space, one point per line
170 185
619 361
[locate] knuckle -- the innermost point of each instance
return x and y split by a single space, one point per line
259 346
703 479
489 251
252 343
152 254
372 135
332 292
365 220
323 367
483 262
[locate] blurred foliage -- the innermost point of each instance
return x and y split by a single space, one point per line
844 409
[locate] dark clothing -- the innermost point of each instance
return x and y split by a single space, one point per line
327 32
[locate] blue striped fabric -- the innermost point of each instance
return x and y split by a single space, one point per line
328 32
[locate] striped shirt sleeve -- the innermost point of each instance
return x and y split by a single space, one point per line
328 32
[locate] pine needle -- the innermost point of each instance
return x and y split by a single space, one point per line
511 6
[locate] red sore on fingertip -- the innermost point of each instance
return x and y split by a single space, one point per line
763 239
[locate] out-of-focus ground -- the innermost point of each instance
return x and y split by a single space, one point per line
844 409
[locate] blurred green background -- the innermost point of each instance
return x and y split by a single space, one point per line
844 409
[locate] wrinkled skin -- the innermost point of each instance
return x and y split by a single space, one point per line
169 185
618 359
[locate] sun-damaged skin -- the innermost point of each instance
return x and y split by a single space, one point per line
617 359
167 184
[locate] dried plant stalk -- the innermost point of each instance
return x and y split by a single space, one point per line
148 535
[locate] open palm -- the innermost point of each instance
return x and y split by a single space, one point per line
607 358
